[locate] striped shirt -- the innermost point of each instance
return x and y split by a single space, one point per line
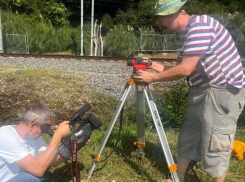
220 62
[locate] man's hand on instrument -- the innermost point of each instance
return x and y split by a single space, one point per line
143 77
63 129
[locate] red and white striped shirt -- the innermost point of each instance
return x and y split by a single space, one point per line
220 60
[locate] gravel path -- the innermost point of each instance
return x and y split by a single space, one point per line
103 77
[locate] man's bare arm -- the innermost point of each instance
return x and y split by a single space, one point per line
38 165
184 69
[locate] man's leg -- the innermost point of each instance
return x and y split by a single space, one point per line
182 167
190 137
220 179
24 177
220 113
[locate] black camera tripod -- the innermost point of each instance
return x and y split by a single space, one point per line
141 96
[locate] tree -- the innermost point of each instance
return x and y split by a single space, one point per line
107 24
50 10
56 13
138 15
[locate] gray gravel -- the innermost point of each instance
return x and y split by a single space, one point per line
103 77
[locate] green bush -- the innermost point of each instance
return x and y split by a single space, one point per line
76 39
171 108
120 42
43 38
173 105
241 120
49 11
107 24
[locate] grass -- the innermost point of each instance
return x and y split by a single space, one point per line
65 93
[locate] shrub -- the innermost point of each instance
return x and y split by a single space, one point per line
173 105
120 42
171 108
107 24
44 38
241 120
76 40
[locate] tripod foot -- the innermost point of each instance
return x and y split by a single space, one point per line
138 155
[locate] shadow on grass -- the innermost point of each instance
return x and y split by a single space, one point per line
154 153
61 174
139 170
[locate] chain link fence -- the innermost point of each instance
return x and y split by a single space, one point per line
159 43
15 43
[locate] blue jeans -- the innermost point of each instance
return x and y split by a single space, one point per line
26 177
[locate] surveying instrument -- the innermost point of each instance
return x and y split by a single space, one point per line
141 96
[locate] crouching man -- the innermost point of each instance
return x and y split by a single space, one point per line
23 154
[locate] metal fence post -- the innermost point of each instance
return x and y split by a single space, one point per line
141 35
92 29
1 37
27 41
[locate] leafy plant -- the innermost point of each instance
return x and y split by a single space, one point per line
76 39
172 107
12 23
49 11
241 120
137 15
107 24
43 38
120 42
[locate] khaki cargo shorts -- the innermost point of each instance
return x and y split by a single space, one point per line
209 126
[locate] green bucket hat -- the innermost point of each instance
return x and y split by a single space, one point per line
168 7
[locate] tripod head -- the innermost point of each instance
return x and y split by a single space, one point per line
139 64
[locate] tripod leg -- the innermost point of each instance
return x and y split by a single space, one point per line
162 137
110 127
140 120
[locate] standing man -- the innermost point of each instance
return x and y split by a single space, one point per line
209 59
23 154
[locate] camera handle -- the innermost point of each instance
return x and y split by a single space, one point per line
140 137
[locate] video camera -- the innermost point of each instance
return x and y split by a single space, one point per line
139 64
82 133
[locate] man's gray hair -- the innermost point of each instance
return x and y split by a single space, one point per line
38 112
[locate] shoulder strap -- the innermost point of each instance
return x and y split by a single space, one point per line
202 72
